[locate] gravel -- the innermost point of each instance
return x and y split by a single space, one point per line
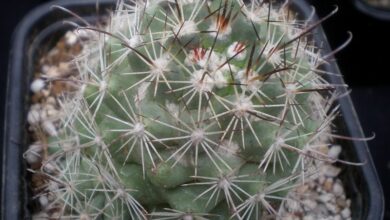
321 196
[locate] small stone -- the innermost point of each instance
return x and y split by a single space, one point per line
290 217
49 168
331 171
33 154
52 186
56 215
53 52
51 101
338 189
302 189
52 112
45 93
334 152
321 180
49 128
328 184
43 115
309 217
324 149
326 197
37 85
312 184
33 117
332 208
322 211
49 107
346 213
52 72
45 68
337 217
70 38
51 196
293 205
309 204
341 202
43 201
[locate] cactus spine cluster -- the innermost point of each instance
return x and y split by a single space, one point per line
190 109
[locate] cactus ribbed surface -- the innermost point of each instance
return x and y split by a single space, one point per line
191 109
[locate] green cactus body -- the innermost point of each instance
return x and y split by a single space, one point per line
191 110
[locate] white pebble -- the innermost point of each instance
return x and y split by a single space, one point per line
293 205
45 92
331 171
32 155
43 201
309 217
52 72
37 85
309 204
322 212
43 115
337 217
332 208
49 128
70 38
51 197
334 151
321 180
52 186
49 168
52 112
338 189
33 116
45 68
57 215
346 213
51 100
326 197
289 217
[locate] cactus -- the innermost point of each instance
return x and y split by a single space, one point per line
191 110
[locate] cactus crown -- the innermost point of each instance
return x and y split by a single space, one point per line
191 110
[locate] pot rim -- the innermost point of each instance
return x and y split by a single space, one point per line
14 187
377 12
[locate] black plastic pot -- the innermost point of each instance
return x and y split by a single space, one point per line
378 12
40 30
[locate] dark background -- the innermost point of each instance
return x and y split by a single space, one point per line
365 64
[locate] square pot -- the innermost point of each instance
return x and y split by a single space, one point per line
43 26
